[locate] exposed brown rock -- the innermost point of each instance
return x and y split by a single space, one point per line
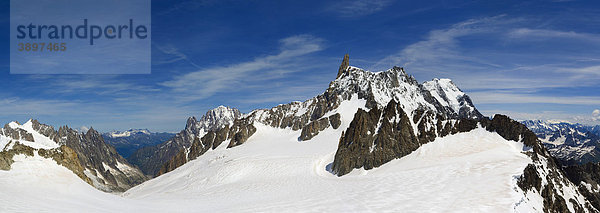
17 134
6 156
313 128
335 121
68 158
364 146
344 65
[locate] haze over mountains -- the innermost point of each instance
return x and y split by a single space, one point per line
372 141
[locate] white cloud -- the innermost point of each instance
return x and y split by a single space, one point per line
536 34
208 81
495 97
596 115
542 115
355 8
443 45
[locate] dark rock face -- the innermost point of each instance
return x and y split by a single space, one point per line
344 66
586 177
530 179
17 134
68 158
362 145
6 156
96 155
335 120
238 133
510 129
313 128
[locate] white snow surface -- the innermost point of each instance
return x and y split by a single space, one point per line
274 172
445 92
37 184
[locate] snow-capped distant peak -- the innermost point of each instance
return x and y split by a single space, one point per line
14 125
218 117
559 121
120 134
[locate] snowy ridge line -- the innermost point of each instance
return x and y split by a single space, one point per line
378 89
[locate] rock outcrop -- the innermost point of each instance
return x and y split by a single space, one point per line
313 128
86 154
381 135
152 159
587 178
344 66
378 89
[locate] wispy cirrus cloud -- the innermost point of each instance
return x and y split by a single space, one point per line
356 8
496 97
529 33
503 60
543 115
206 82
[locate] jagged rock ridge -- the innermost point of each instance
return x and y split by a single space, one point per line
86 154
151 159
400 116
309 116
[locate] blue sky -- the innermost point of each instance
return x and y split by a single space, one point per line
526 59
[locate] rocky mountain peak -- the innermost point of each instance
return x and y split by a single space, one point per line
92 132
85 154
191 123
218 118
344 66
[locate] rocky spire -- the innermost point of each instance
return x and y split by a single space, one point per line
344 66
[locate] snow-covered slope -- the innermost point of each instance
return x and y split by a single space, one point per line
274 172
37 184
468 172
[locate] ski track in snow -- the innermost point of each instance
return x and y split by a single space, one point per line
274 172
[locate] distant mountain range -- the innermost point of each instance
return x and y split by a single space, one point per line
127 142
569 142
